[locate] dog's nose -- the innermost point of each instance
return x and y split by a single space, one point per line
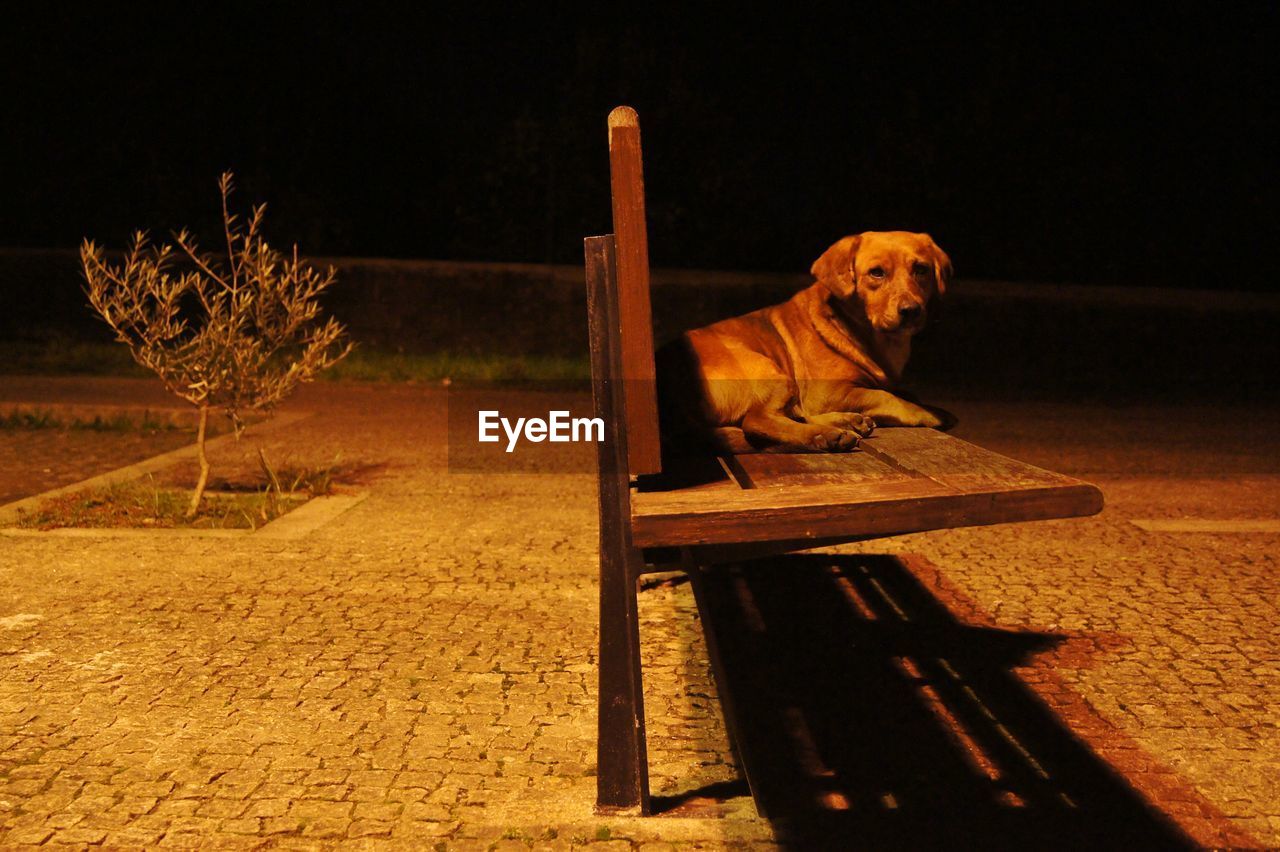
910 313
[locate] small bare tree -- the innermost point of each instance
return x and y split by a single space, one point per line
236 334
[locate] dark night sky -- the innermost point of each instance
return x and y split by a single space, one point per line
1054 142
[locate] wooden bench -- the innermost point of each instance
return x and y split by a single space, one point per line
705 511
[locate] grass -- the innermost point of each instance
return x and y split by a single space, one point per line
60 357
142 504
373 365
18 419
313 480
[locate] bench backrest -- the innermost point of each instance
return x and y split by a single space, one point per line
628 317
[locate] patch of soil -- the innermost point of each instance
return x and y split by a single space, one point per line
144 505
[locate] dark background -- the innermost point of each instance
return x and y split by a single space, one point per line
1081 142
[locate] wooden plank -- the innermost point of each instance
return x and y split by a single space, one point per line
778 470
635 317
888 508
622 779
893 454
953 462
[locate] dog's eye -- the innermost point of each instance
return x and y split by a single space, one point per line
921 270
876 272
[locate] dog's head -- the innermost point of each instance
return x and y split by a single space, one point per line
891 277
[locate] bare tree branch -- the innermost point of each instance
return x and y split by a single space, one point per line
237 336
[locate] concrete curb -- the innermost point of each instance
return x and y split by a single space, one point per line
309 517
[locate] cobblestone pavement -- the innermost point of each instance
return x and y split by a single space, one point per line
421 670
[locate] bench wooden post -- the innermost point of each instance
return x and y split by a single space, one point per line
622 777
634 319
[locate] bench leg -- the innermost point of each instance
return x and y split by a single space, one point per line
622 781
622 768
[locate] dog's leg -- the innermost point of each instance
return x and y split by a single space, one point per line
731 440
773 427
890 410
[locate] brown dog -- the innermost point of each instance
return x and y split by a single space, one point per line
818 371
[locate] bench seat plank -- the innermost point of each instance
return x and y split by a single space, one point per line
949 460
723 516
893 454
913 480
775 470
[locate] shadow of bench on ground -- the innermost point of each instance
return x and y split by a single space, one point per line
867 715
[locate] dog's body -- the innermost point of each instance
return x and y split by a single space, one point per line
818 371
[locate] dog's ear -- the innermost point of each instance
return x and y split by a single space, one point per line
835 267
942 271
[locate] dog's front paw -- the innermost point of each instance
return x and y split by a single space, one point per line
852 421
834 440
863 424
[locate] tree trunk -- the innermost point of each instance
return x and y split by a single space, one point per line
204 463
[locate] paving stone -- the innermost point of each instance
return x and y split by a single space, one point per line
132 837
370 828
281 825
307 809
387 811
77 835
245 825
28 836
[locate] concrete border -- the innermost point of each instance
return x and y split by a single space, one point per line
309 517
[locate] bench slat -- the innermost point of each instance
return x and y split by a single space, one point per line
988 489
776 470
951 461
727 517
897 453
